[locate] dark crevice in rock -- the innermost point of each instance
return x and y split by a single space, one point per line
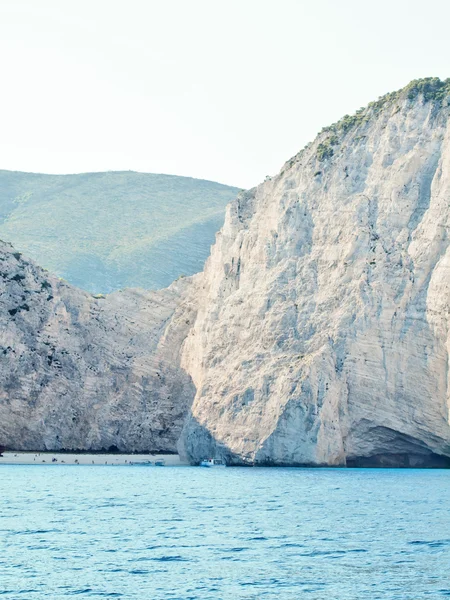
401 460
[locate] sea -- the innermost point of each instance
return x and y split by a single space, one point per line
223 533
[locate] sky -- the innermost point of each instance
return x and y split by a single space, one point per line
225 90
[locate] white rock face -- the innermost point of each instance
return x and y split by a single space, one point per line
322 336
318 333
78 372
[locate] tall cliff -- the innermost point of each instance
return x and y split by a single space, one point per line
322 336
318 333
79 372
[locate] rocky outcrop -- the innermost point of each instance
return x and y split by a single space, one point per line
318 333
322 336
89 373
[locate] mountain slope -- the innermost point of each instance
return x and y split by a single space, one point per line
87 373
322 336
107 231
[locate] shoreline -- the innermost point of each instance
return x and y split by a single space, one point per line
90 459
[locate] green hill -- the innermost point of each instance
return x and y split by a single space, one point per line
106 231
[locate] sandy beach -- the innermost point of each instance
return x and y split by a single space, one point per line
60 458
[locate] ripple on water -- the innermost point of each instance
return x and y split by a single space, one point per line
245 534
430 543
170 559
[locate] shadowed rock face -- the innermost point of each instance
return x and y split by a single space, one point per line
322 335
79 372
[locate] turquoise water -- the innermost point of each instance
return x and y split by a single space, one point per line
223 534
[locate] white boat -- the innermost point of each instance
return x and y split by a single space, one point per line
212 462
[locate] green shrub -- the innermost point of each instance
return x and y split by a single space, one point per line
431 88
325 148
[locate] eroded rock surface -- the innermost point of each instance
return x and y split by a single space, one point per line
318 333
322 336
79 372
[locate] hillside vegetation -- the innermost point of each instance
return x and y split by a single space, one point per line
106 231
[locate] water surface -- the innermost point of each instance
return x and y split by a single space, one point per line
223 534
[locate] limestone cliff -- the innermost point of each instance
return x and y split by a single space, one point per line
318 333
322 336
79 372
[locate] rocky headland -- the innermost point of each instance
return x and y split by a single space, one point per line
80 372
318 333
322 335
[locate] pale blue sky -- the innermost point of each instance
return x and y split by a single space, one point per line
221 90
